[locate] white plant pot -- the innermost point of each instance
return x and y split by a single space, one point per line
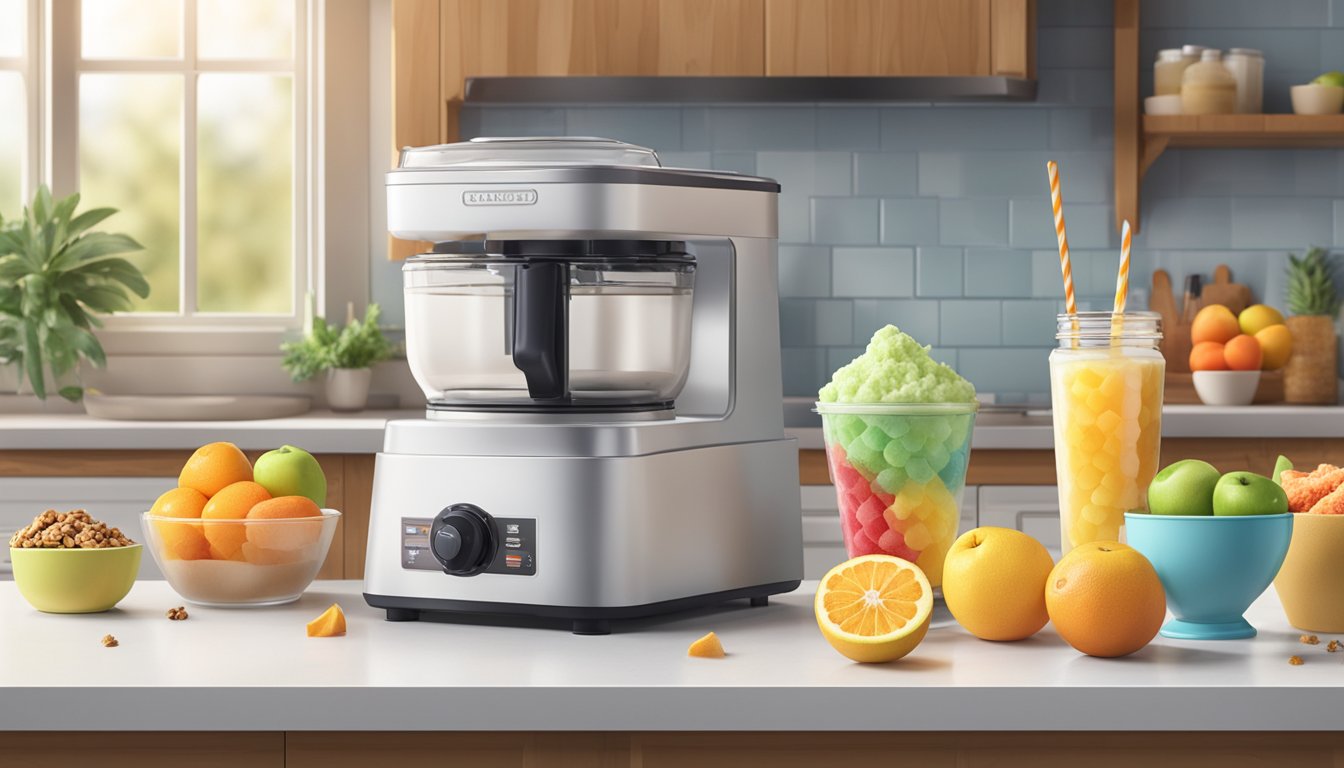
348 388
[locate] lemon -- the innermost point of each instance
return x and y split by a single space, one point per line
1258 317
874 608
994 583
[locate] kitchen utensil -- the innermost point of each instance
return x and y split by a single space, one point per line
275 562
1234 296
597 340
899 470
1106 392
1309 583
194 407
1226 387
75 580
1317 99
1212 567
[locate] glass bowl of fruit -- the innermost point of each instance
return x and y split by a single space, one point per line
899 470
235 534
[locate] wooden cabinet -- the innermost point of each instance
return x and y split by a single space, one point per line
900 37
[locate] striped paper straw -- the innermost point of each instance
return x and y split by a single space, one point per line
1122 277
1057 205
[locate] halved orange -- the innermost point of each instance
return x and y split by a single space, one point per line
874 608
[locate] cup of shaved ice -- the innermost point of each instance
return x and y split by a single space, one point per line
897 428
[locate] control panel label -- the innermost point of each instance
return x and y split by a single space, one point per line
515 553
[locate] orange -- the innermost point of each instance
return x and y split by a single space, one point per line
1208 356
214 466
233 502
994 583
1214 323
874 607
330 624
277 530
707 647
1276 346
181 541
1243 353
1105 599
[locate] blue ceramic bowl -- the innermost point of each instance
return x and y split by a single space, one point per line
1212 568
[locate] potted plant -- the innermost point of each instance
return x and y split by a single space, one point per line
347 355
1311 375
56 277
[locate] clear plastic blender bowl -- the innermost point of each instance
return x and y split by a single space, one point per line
899 470
564 323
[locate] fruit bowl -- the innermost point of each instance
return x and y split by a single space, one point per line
899 470
1212 567
239 562
75 580
1309 583
1226 387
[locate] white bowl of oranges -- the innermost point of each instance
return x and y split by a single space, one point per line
1230 352
232 534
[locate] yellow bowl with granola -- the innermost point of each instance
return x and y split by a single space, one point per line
67 562
1308 583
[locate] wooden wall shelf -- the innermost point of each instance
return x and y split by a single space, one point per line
1141 139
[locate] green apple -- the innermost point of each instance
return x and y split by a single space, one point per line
1183 488
290 471
1246 493
1330 78
1281 466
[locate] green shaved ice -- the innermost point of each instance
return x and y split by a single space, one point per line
865 459
937 455
896 369
875 438
895 454
892 480
954 474
846 429
918 469
894 426
912 441
960 427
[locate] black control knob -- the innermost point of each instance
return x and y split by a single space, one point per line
462 539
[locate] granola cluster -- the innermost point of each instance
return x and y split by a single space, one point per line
68 530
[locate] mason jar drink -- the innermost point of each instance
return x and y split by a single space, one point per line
1106 395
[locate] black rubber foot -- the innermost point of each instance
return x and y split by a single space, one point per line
760 602
403 614
591 627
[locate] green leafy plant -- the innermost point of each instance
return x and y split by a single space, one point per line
1311 284
56 277
360 344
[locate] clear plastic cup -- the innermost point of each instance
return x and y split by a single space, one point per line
1106 398
899 470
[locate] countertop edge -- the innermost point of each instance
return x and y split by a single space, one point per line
758 708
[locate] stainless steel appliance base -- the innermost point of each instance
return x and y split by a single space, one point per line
583 621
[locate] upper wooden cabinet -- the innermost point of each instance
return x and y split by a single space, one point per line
900 37
599 37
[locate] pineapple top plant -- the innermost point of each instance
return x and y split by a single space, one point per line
1311 284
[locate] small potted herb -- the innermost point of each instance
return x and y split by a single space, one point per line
347 355
1312 373
56 277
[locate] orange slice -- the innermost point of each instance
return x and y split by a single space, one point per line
330 624
874 608
707 647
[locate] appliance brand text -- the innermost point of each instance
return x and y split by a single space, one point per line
500 197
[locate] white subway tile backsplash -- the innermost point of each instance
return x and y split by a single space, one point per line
885 174
998 272
845 220
909 221
973 222
872 272
964 323
938 272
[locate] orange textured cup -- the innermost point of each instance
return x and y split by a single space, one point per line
1310 584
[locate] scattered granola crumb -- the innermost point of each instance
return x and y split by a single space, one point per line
110 641
177 614
1310 640
1332 646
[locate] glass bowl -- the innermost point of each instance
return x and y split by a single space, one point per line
240 562
899 470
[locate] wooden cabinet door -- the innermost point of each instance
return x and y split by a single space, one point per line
899 37
599 37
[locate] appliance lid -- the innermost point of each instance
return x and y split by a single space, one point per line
580 250
530 152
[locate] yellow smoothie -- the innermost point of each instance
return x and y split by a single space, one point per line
1108 431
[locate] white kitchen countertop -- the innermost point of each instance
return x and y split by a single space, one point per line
327 432
254 669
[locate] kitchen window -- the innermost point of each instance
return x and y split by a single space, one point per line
234 146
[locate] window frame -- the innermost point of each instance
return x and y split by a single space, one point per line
187 332
26 65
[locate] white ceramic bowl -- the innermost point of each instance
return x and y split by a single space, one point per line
1226 387
1168 104
1314 99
